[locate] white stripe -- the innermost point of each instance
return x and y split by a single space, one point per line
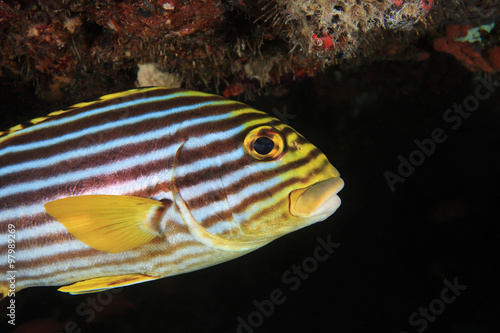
191 192
96 149
179 238
187 194
221 227
130 163
122 188
89 113
34 253
106 262
144 182
83 174
112 168
21 211
87 270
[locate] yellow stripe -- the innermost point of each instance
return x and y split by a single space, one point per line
38 120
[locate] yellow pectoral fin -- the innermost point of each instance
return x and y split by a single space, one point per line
104 283
110 223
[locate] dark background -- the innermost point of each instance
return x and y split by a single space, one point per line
396 248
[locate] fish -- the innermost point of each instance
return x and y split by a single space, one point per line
149 183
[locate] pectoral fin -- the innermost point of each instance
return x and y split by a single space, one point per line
110 223
104 283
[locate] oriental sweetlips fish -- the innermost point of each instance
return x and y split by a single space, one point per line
149 183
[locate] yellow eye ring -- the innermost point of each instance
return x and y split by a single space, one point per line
264 143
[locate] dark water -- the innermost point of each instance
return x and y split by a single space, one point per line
421 256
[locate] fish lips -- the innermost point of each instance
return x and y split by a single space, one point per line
317 200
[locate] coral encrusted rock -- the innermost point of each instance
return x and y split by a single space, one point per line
76 50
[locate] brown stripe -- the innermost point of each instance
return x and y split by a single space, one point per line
212 220
94 105
155 246
111 134
251 179
81 186
255 198
132 149
64 260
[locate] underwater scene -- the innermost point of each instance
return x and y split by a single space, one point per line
337 193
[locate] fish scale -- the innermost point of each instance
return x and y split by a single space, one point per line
150 183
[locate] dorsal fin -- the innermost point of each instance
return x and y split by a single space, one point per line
25 124
5 134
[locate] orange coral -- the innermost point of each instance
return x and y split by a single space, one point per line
494 57
233 90
468 54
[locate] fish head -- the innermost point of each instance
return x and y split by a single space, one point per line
289 183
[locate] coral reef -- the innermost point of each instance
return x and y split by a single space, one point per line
74 50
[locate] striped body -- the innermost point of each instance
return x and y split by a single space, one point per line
135 143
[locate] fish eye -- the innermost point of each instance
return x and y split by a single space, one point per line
264 143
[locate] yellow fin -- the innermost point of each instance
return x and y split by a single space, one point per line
105 283
110 223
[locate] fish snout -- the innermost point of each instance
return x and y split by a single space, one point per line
316 200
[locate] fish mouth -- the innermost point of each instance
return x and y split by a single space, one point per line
316 200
